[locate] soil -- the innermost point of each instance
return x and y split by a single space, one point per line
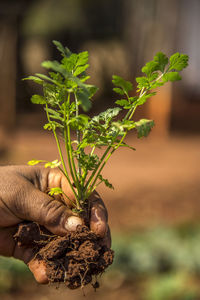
75 259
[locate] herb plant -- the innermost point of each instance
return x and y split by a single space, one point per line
66 95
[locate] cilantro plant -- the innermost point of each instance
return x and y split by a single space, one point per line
65 91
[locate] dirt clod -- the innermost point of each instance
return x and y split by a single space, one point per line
73 259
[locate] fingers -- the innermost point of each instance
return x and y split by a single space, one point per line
39 207
99 218
38 269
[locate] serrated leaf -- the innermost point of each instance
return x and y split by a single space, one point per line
108 114
56 66
82 58
107 183
69 63
143 82
120 82
64 50
83 96
54 114
92 89
171 76
178 61
150 67
45 77
162 60
124 103
79 122
79 70
118 91
37 99
144 127
35 79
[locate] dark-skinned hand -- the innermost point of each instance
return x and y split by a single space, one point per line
23 197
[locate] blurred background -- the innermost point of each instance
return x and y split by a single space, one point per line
154 210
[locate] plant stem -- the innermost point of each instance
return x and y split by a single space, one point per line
60 153
78 136
105 158
69 150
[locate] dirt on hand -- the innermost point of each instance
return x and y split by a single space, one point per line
74 259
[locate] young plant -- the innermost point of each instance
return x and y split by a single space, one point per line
65 91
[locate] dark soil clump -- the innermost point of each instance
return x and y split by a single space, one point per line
73 259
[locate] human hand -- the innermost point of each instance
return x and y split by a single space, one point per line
23 197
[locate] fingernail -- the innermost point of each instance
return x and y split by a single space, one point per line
72 223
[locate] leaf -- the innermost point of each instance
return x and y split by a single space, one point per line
79 70
53 164
69 63
37 99
54 114
171 76
178 61
64 50
162 60
144 98
55 191
120 82
118 91
79 122
46 78
124 103
124 145
92 89
82 58
150 67
55 66
143 82
144 127
128 146
83 96
34 162
35 79
107 183
110 113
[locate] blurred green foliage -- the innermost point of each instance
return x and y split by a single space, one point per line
13 274
158 250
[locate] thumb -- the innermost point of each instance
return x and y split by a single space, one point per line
41 208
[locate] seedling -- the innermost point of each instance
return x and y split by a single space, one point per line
66 94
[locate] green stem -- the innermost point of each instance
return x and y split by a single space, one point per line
60 153
90 185
78 136
68 140
102 161
69 150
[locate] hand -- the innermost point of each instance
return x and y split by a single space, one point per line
23 197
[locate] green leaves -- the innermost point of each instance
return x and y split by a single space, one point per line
162 60
144 127
123 86
171 76
65 91
106 182
178 61
37 99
